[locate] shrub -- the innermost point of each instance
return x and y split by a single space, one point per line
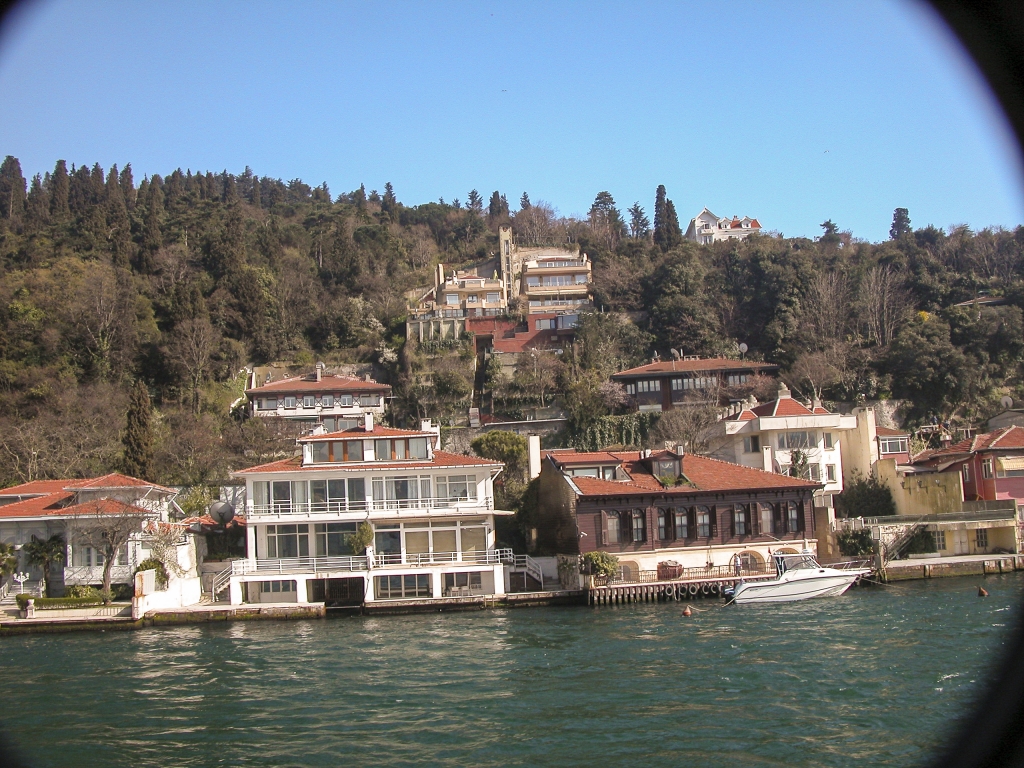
855 543
599 564
865 498
922 542
361 539
82 590
152 564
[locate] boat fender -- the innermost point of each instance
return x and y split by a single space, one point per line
705 589
693 589
982 592
687 612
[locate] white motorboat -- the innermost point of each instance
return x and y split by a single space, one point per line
798 577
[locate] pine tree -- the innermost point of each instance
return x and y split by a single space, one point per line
900 223
229 193
118 224
639 224
497 208
12 190
388 203
255 198
524 202
152 232
474 202
59 187
138 433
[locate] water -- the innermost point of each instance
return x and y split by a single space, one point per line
873 678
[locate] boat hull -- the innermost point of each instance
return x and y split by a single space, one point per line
787 590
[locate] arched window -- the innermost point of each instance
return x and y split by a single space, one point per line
767 517
793 518
740 524
612 532
681 524
703 522
639 534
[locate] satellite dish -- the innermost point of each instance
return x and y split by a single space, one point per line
743 348
1006 401
221 512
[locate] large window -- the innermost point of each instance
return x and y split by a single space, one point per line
332 539
648 385
289 401
456 487
752 444
895 445
662 524
287 541
327 401
308 401
412 585
767 517
400 492
791 440
456 583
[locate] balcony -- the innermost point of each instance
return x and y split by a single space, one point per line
359 563
388 508
93 574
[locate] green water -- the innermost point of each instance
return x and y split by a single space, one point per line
869 679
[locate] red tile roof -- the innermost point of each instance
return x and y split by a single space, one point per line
784 406
105 507
441 459
705 474
690 366
117 480
329 383
360 432
572 458
1006 438
889 432
51 498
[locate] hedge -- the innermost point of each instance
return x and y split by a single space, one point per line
57 602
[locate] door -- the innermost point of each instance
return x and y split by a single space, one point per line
960 543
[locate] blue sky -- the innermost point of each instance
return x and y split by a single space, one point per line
791 112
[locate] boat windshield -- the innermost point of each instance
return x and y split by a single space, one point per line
795 562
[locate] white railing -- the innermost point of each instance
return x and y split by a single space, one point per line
528 564
283 509
5 590
221 581
359 563
93 574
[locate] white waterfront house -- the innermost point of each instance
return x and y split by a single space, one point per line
431 514
784 432
83 511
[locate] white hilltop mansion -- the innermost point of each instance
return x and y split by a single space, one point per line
706 228
431 514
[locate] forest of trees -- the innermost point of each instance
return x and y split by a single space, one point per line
177 282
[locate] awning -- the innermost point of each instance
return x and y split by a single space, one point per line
1008 463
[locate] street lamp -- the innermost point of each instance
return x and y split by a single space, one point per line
21 578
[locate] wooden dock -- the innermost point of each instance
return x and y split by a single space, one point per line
676 590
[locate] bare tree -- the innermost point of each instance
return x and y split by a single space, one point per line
106 525
884 303
694 424
194 343
813 372
827 306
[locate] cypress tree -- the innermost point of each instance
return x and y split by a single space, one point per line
673 234
12 190
138 434
59 188
118 223
37 206
659 216
667 233
255 199
128 187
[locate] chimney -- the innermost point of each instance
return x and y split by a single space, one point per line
319 371
534 451
427 426
438 276
783 390
368 421
680 450
366 377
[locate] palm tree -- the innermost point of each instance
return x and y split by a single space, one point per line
8 560
45 553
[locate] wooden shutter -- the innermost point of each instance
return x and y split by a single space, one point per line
713 509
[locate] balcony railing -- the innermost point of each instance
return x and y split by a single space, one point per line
285 509
93 574
359 562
